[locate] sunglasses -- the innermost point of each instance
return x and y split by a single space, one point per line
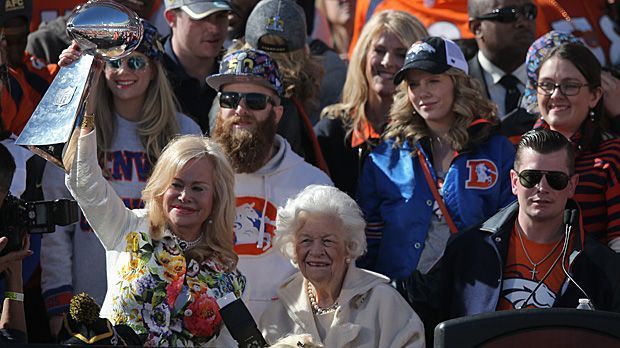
134 63
510 14
531 177
254 101
568 89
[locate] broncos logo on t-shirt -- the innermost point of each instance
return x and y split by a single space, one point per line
518 290
248 220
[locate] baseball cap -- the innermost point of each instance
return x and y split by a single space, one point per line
434 55
248 65
198 9
11 9
283 18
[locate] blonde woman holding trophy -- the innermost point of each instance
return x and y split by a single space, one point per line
136 117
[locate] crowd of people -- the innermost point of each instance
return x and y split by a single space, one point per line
353 172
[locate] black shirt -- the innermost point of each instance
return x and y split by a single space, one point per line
195 99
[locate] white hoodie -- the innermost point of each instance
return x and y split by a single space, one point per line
259 195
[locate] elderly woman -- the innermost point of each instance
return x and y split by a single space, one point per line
322 232
167 264
441 168
349 130
570 99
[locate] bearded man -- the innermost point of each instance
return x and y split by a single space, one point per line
268 171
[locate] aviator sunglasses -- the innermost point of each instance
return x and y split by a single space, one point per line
510 14
134 63
254 101
531 177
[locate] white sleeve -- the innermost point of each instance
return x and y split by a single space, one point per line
103 209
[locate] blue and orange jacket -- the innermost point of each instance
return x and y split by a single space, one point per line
27 84
398 204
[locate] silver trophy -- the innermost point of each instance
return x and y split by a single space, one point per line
101 28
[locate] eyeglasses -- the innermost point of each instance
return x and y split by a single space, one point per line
510 14
134 63
566 88
531 177
254 101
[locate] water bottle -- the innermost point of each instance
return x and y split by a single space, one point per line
584 303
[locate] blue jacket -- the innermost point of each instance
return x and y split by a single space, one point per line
398 203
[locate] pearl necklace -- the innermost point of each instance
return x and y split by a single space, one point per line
186 245
316 310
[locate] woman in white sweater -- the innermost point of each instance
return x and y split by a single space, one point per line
339 305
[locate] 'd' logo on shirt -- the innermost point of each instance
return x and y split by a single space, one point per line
252 215
482 174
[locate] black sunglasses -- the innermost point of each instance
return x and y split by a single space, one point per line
531 177
134 63
254 101
510 14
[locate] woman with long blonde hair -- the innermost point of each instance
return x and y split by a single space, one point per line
136 118
170 263
441 168
350 129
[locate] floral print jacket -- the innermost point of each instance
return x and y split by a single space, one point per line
152 287
173 304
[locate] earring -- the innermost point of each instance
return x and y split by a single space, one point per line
591 113
347 260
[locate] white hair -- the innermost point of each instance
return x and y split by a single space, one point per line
326 200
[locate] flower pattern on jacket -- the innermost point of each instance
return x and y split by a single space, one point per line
171 301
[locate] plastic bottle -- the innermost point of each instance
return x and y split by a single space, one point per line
584 303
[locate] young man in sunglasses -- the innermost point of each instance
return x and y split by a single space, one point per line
267 171
504 30
521 257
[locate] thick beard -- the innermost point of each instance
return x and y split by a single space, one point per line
247 150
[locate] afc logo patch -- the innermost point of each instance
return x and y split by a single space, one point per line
482 174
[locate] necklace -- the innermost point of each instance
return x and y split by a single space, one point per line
536 264
316 310
186 245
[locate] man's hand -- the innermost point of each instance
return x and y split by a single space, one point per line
611 90
13 260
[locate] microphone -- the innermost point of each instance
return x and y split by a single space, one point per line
240 322
572 220
567 217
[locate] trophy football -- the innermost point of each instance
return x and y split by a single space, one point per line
101 28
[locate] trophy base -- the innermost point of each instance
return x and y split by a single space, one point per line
52 153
